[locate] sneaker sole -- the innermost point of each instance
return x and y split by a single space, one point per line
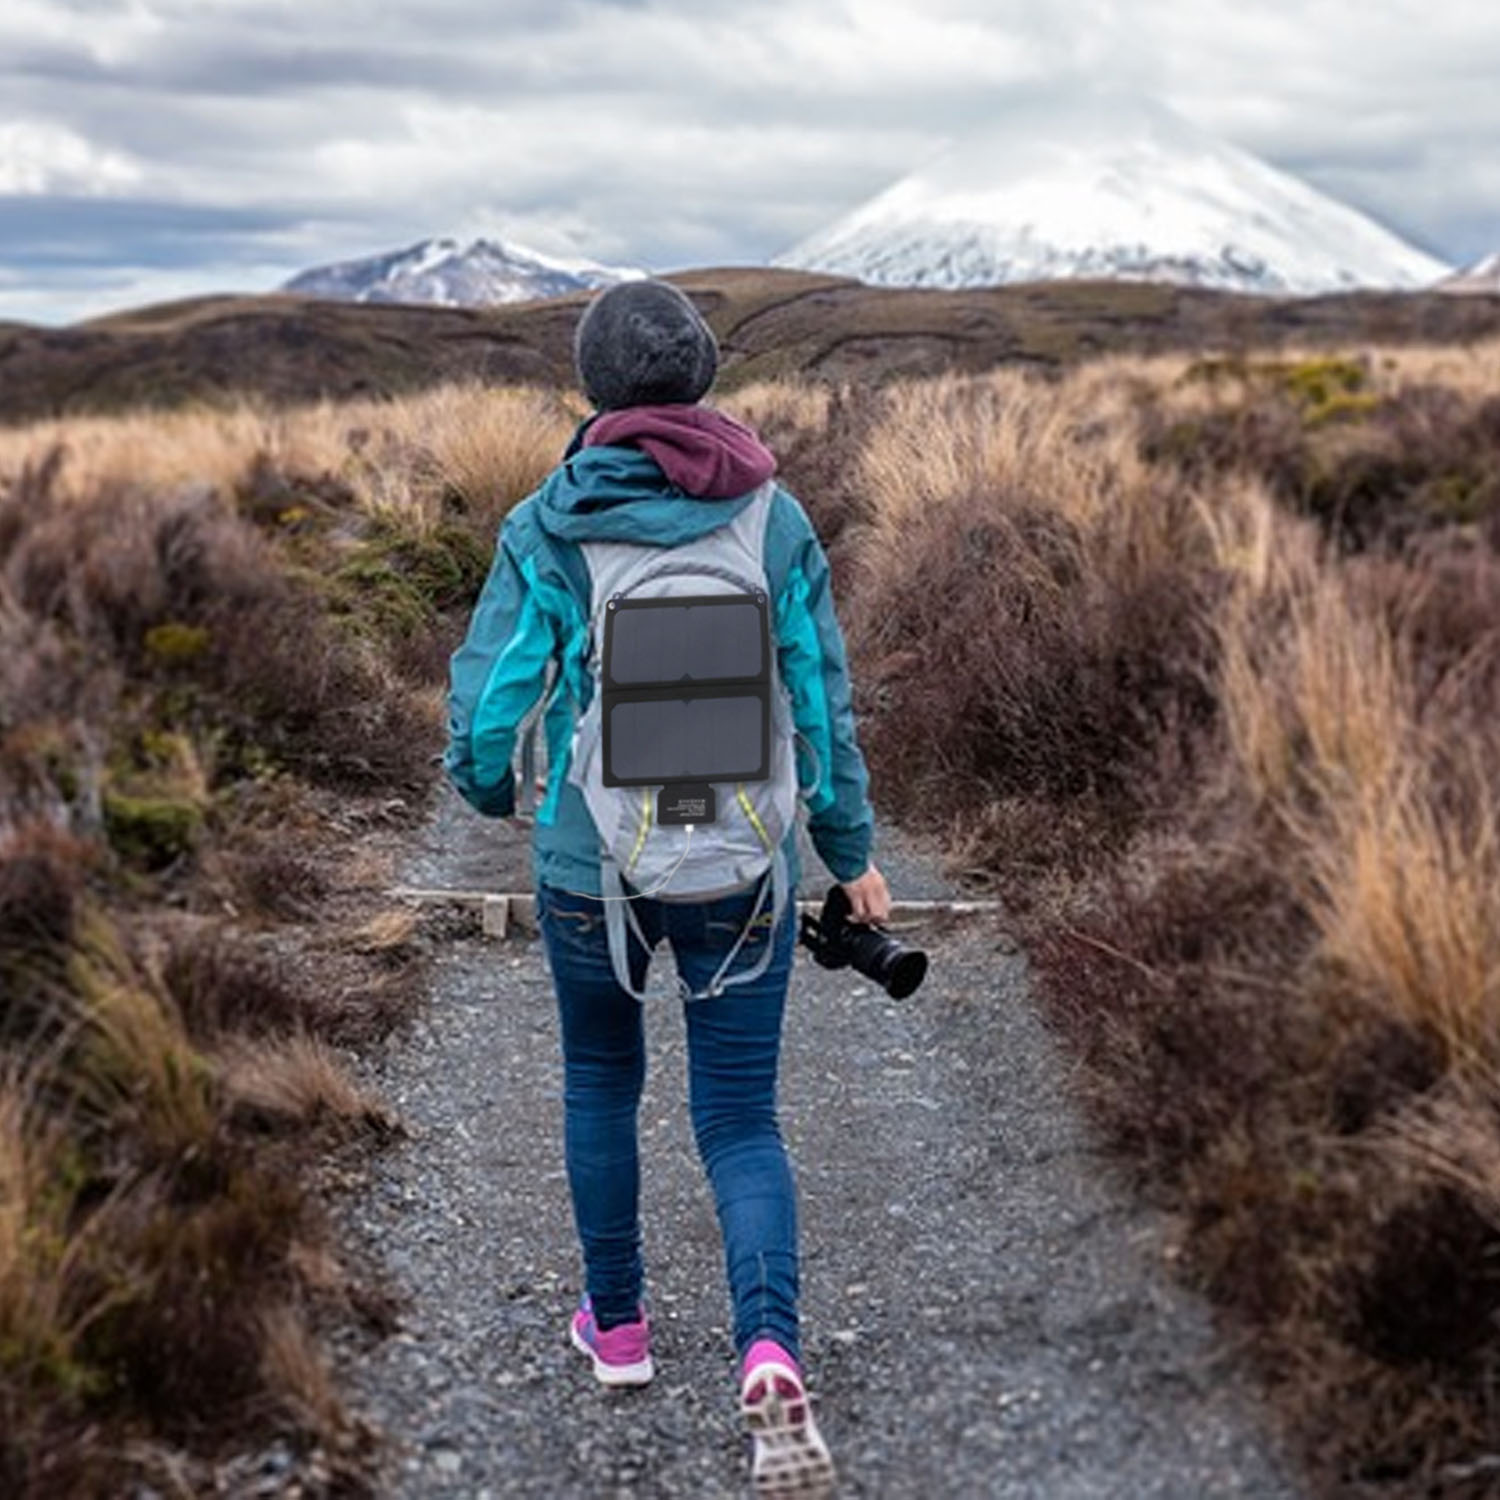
639 1373
791 1460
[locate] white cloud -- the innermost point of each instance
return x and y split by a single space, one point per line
40 156
668 133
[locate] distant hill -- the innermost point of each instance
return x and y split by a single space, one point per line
446 274
770 323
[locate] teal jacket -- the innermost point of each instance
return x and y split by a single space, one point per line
532 619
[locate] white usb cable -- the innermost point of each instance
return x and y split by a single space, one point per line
665 881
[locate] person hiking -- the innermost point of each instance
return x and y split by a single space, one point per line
652 477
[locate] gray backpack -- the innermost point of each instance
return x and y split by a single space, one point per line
693 786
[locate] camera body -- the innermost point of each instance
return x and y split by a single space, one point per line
836 942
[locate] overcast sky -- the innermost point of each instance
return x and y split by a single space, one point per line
157 148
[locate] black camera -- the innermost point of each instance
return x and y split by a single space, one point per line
836 943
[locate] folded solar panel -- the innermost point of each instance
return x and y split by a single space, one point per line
687 690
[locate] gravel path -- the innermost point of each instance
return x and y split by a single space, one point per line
985 1313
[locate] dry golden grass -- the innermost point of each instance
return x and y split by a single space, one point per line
1249 541
1267 561
295 1366
389 931
776 404
1471 370
297 1080
481 447
1407 901
35 1325
155 450
137 1063
50 1294
1315 700
964 446
1318 700
1124 658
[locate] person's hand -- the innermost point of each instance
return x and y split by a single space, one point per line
869 900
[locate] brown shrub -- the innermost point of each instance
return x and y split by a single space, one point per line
294 1365
1177 985
1375 469
1443 605
171 680
1029 615
271 677
42 875
1280 1112
298 1081
208 1248
994 664
272 879
222 983
1242 790
42 871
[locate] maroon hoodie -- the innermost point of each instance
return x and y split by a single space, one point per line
702 451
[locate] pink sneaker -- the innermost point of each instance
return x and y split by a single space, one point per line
621 1356
791 1459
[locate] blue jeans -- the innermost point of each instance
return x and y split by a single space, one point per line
734 1045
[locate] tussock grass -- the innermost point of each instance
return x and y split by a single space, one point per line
468 447
297 1080
135 1066
775 407
1406 901
1379 446
1032 582
294 1364
818 434
219 632
1312 696
1197 663
49 1296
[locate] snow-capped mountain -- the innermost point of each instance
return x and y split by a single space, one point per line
1109 186
454 275
1482 276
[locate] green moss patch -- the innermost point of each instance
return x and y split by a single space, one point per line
1316 382
151 832
175 643
399 580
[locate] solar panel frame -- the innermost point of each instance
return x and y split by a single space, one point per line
620 613
688 766
686 688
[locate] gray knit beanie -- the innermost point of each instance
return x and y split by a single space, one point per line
642 343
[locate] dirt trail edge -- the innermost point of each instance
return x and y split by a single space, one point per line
986 1313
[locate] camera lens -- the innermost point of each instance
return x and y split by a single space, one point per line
906 973
897 969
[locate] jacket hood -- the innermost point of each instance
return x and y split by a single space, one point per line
703 452
620 495
605 492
